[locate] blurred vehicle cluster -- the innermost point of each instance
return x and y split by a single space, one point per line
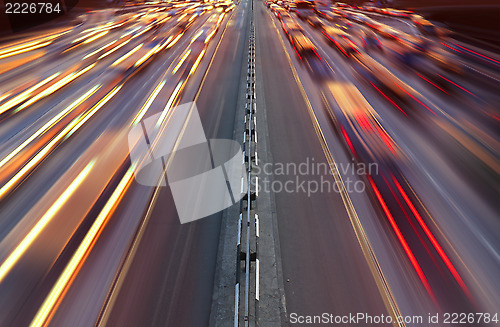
382 72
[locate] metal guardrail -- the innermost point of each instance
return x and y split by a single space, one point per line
248 233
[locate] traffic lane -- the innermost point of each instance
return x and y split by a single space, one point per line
116 113
322 260
100 74
455 83
112 121
55 58
402 24
116 72
420 110
179 290
218 98
458 84
136 201
408 291
441 238
65 51
465 112
400 210
461 118
126 102
11 71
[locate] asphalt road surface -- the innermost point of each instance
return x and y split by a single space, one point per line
385 173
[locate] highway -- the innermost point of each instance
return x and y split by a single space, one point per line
395 121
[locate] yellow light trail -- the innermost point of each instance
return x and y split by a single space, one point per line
113 50
221 17
68 131
148 103
181 61
197 62
143 31
167 41
85 36
23 50
174 41
63 283
95 37
131 31
169 104
99 49
196 36
147 55
209 36
18 47
119 60
40 225
5 95
24 95
85 117
49 124
66 80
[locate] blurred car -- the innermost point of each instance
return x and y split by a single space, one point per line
370 41
184 22
291 27
398 13
315 22
387 31
389 86
301 43
370 8
373 24
273 8
415 17
340 40
280 12
285 16
308 54
359 127
358 18
345 25
285 20
304 9
342 5
325 12
346 14
316 66
427 28
445 60
290 6
411 43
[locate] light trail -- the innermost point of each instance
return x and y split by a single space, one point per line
433 240
66 133
64 281
131 52
148 103
49 124
56 86
402 241
24 95
16 254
